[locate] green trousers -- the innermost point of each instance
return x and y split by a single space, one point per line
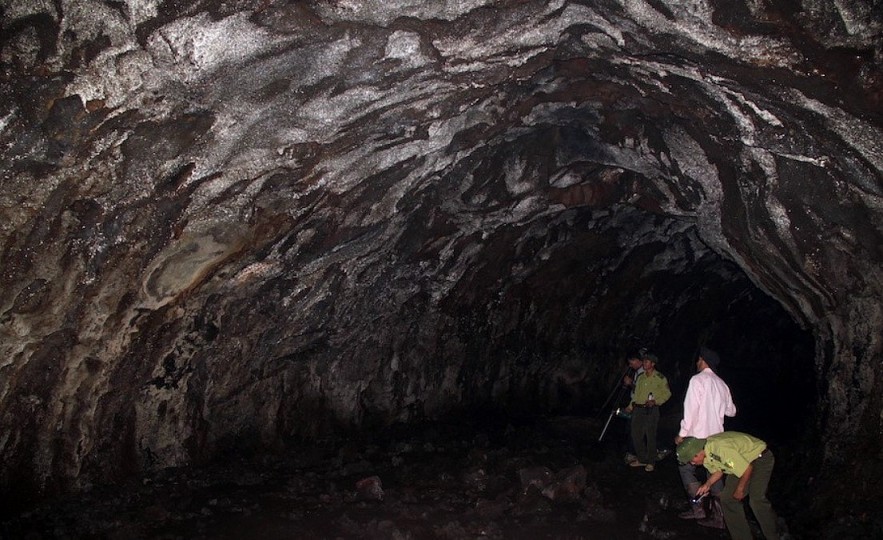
734 511
644 424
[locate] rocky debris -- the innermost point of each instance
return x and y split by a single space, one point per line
475 480
312 494
655 532
567 484
369 489
537 477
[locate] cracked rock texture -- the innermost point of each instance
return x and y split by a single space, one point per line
230 224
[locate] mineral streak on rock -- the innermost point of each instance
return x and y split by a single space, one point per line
230 223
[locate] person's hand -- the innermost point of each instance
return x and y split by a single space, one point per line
679 439
739 493
629 409
626 381
703 490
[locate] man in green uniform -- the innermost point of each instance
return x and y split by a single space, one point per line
748 464
651 391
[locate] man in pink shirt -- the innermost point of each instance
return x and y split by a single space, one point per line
707 401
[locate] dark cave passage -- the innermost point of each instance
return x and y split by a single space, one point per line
547 319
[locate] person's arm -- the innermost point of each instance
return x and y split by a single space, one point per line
664 392
712 478
731 407
739 493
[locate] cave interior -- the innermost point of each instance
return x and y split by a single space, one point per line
233 232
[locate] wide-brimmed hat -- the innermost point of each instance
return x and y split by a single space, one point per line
688 449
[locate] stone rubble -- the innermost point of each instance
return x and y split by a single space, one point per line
450 482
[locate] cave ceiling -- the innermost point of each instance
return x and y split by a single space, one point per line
227 218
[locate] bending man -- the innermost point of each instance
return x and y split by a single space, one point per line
748 463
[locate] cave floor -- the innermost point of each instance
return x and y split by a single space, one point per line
435 481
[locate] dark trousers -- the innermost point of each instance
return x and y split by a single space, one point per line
630 445
645 421
734 511
694 476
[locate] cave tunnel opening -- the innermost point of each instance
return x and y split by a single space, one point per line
549 304
566 323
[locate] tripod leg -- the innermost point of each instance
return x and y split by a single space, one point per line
606 425
619 388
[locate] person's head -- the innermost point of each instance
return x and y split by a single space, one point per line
634 362
649 361
633 358
709 357
691 450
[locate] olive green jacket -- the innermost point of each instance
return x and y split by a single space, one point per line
731 452
655 384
